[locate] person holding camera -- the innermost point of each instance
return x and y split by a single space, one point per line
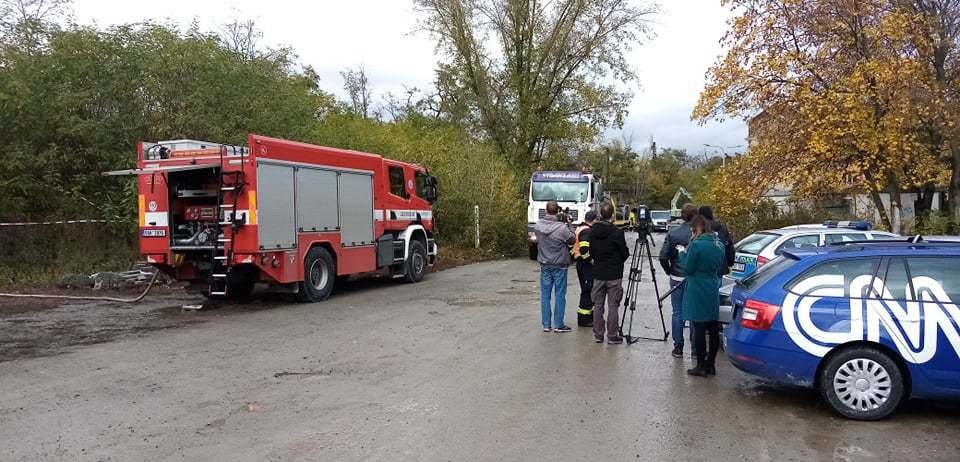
553 237
608 247
676 241
702 262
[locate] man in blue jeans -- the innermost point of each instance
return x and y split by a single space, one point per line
553 237
677 240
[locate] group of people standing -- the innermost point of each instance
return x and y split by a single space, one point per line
695 255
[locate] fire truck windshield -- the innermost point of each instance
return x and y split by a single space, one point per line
559 191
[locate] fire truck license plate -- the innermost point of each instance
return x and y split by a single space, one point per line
154 233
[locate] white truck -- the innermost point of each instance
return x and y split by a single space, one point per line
575 192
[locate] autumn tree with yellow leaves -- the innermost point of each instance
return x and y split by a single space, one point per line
843 96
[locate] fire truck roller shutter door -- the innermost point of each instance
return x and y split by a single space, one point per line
317 200
356 209
277 217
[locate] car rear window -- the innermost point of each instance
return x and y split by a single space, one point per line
833 238
928 272
754 243
766 272
849 268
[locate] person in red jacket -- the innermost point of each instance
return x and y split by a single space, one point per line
608 249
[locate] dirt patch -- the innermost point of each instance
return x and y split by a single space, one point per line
46 327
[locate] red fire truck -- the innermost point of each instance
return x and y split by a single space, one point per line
286 213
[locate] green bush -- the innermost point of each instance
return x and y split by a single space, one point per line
765 214
935 224
44 254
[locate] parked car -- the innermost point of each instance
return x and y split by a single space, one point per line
867 324
760 248
660 219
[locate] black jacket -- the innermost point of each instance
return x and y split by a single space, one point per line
669 251
727 240
608 248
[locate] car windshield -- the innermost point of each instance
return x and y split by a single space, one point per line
559 191
765 272
754 243
660 215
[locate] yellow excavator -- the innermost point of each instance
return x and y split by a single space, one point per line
623 216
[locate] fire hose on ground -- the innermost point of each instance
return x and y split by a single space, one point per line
136 299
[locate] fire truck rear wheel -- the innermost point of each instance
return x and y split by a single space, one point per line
319 274
416 262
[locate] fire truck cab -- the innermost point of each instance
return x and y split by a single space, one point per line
286 213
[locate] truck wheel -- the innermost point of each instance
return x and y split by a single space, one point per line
319 274
533 251
862 383
416 262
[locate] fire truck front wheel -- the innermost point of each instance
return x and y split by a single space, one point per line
319 274
416 262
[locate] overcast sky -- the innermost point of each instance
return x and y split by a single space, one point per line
331 35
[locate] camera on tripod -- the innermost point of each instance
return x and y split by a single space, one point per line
642 254
644 222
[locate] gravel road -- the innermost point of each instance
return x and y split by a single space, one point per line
453 368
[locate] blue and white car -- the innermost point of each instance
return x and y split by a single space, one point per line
866 324
757 249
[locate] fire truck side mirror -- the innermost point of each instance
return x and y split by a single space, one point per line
431 190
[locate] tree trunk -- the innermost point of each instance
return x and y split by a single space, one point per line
878 201
924 204
896 204
953 195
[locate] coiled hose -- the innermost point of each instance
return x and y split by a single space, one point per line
89 297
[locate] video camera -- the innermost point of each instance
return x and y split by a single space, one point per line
564 216
644 224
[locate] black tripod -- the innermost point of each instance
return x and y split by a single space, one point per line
641 248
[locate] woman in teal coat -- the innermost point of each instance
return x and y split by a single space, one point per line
703 262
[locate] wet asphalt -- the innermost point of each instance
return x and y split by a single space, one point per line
453 368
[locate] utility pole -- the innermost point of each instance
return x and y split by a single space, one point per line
606 163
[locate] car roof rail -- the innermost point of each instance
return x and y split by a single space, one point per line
914 241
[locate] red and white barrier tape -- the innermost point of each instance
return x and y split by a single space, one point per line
64 222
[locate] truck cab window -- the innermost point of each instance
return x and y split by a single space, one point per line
397 187
421 181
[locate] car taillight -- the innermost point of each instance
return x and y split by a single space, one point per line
762 261
758 315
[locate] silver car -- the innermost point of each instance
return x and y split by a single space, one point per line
759 248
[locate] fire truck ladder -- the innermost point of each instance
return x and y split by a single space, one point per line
229 188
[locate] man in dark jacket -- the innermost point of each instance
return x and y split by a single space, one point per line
723 234
608 247
676 241
553 237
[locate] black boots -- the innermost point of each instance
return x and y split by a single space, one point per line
699 371
702 370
